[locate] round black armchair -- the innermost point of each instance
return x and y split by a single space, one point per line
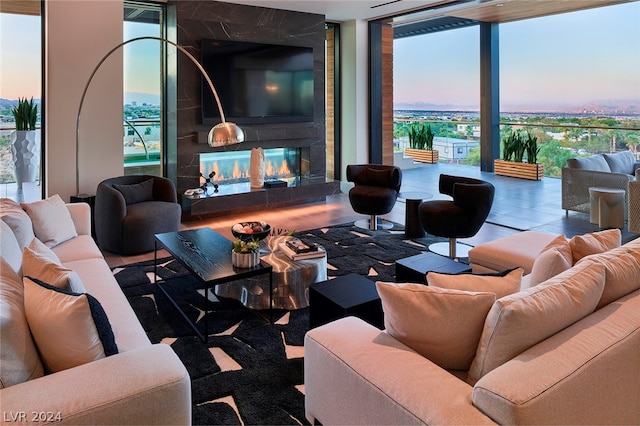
375 192
131 209
461 217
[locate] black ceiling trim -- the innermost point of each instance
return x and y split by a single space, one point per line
432 26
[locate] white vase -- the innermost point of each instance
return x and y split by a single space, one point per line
25 150
245 260
257 168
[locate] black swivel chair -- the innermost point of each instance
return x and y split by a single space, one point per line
130 209
461 217
375 192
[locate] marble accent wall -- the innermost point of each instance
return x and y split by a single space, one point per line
197 20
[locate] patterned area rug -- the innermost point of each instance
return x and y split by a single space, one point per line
250 371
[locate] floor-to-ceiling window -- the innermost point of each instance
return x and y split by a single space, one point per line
143 121
20 78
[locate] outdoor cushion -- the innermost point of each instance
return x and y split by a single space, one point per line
595 163
621 162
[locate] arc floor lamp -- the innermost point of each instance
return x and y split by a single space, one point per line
222 134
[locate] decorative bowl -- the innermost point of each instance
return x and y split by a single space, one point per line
251 230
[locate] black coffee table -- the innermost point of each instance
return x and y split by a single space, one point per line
207 255
414 269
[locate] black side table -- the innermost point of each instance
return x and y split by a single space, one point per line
414 269
412 225
347 295
91 200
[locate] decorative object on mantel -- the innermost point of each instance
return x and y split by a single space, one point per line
421 143
222 134
245 254
515 146
209 181
25 142
257 168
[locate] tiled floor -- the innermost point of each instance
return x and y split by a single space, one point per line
518 205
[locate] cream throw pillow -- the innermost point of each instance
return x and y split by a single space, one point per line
19 221
502 284
52 222
38 261
622 273
555 257
18 355
519 321
440 324
69 329
595 242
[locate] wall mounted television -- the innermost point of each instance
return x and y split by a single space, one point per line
257 83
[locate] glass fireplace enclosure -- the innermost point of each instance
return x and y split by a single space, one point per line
232 168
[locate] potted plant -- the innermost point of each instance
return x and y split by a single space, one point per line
245 254
513 164
25 142
421 143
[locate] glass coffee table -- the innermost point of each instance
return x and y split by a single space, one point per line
207 255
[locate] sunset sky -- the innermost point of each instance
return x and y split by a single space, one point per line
581 57
568 59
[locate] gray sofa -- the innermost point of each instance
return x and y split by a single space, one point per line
587 372
143 383
600 170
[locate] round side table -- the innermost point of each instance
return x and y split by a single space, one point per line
412 225
606 207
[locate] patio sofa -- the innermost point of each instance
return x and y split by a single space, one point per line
600 170
560 352
63 374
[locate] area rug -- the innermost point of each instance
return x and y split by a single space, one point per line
250 371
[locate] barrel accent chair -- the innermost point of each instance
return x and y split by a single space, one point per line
130 209
461 217
375 192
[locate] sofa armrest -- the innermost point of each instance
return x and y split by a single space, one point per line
356 374
149 385
81 216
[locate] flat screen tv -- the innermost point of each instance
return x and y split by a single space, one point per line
257 83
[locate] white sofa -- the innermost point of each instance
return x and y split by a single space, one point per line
587 372
141 384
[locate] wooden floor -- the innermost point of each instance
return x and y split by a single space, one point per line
518 205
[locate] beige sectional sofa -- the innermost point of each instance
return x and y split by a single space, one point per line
564 351
141 384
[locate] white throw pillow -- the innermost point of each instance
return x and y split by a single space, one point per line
69 329
519 321
555 257
500 283
52 222
19 221
440 324
38 261
18 355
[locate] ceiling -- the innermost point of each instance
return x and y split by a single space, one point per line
478 10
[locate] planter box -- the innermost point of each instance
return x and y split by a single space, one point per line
519 170
422 155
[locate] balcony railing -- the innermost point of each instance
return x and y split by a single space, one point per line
557 141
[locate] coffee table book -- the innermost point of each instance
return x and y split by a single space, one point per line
301 256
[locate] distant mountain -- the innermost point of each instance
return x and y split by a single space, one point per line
614 106
8 103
